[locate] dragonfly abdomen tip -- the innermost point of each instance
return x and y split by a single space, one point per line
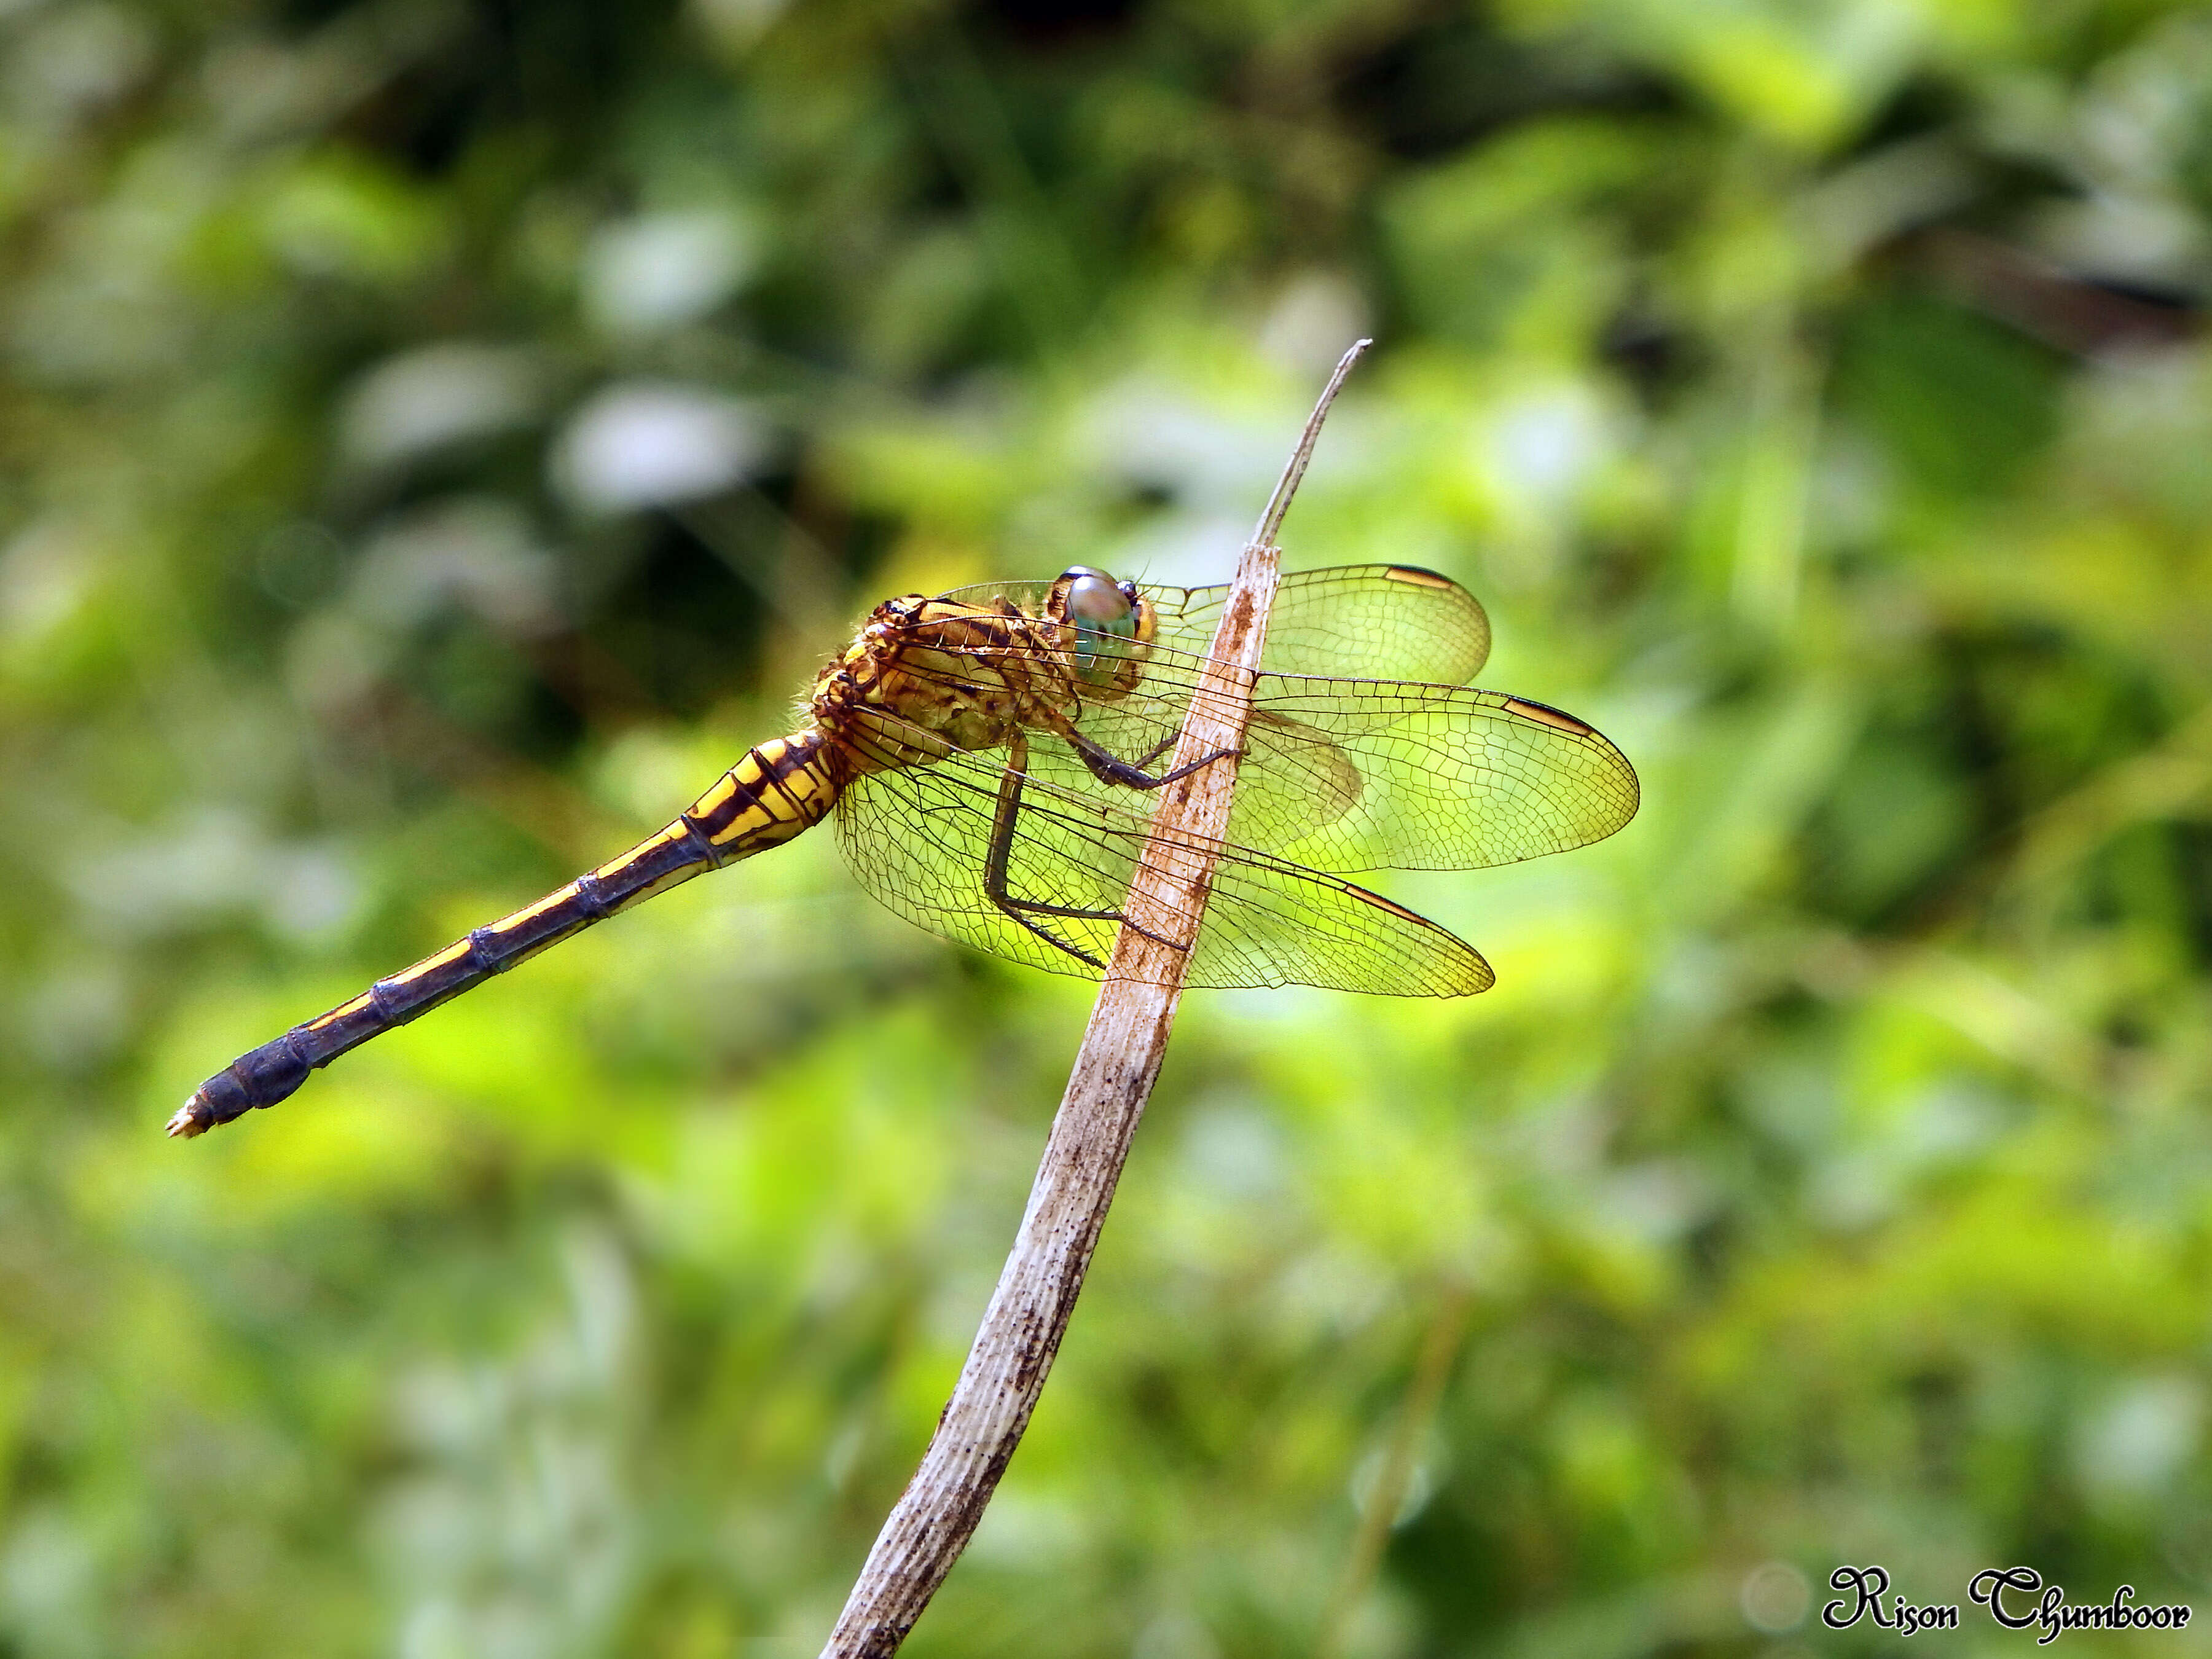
260 1078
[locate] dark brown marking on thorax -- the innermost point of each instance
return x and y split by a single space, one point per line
926 677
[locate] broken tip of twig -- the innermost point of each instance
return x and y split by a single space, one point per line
1271 518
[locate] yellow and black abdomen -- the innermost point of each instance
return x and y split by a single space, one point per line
778 790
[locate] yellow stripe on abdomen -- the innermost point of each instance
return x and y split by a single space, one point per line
779 789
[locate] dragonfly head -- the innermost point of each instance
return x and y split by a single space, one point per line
1113 624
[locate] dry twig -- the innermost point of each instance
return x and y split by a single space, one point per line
1122 1047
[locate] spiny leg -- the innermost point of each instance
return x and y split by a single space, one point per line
1004 817
1110 767
1103 764
1161 747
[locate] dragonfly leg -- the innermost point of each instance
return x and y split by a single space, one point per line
1003 819
1110 767
1161 747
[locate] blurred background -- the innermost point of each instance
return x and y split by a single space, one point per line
437 436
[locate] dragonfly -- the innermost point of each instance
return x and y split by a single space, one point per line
987 757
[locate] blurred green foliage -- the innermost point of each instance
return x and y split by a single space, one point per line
437 436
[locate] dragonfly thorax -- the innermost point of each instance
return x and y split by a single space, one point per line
928 677
925 676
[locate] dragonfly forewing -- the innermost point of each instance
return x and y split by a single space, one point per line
1382 621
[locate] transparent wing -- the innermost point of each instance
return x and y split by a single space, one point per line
919 841
1448 778
1380 622
1360 775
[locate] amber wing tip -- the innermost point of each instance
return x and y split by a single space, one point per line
188 1122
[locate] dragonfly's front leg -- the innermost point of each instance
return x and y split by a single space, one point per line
1108 767
1161 747
1006 815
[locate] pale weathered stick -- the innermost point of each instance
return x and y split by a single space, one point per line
1122 1047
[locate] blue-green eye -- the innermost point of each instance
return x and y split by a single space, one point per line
1103 619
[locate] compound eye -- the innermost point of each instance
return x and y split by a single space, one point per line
1093 598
